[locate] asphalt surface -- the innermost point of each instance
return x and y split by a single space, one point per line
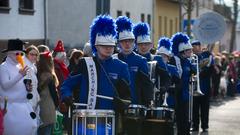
224 117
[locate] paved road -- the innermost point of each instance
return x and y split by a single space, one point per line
224 117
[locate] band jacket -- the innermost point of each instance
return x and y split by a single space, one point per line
114 70
206 70
137 66
175 77
188 69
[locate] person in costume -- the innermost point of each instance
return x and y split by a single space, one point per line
182 50
144 44
109 77
201 103
62 73
136 63
141 89
20 118
165 50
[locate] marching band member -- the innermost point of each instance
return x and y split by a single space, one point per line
98 77
201 103
143 41
20 118
136 63
182 49
165 50
141 90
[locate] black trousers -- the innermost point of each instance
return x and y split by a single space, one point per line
182 117
201 110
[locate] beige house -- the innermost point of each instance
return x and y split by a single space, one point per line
166 19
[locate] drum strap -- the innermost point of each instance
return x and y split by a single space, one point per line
178 64
92 83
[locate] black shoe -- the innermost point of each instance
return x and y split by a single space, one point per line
194 129
205 130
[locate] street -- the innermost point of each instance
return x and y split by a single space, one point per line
224 117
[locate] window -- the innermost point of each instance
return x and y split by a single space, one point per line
159 26
171 27
176 24
165 25
119 13
128 14
26 6
142 17
203 3
4 6
149 20
102 7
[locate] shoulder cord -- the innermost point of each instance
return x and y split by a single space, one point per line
109 80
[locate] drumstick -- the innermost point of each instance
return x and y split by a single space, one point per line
69 112
105 97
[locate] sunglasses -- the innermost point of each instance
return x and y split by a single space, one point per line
19 54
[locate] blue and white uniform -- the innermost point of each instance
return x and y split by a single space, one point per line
136 63
181 49
97 77
115 70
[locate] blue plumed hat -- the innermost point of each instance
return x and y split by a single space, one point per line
124 28
103 32
165 46
180 43
141 32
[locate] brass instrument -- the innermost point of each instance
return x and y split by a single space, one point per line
194 86
195 78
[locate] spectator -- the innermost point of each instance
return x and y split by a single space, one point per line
47 90
74 58
43 48
31 58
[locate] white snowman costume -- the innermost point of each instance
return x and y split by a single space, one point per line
33 75
17 120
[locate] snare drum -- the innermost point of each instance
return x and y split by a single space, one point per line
160 113
133 110
93 122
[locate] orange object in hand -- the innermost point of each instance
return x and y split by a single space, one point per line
20 60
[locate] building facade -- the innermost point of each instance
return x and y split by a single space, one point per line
70 21
137 10
166 18
21 19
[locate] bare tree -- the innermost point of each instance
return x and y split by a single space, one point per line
234 24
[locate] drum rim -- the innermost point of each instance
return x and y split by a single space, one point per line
136 106
94 113
159 108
